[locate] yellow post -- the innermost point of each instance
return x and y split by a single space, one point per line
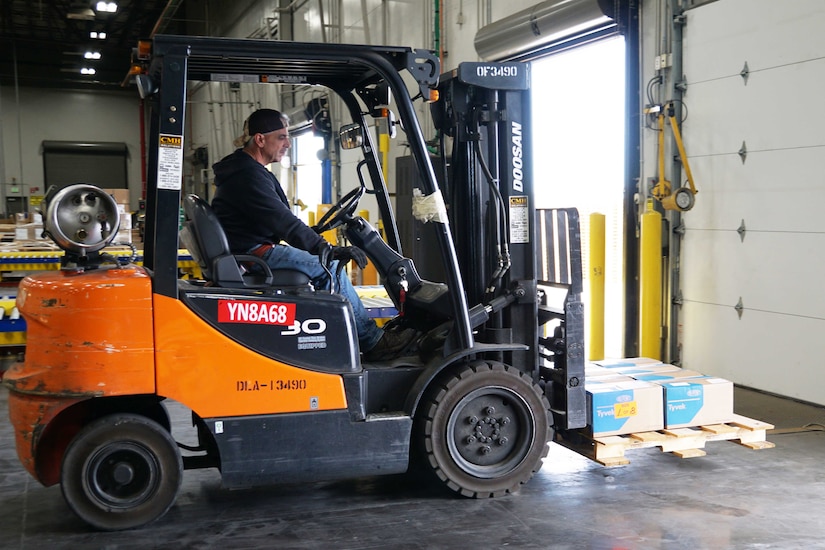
384 149
597 261
650 284
330 235
369 276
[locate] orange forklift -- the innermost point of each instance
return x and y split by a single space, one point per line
269 365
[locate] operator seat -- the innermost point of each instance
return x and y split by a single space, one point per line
203 235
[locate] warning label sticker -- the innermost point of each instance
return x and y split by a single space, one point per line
170 162
519 220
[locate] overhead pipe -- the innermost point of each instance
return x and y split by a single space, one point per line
545 24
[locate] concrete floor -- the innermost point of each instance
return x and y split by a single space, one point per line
732 498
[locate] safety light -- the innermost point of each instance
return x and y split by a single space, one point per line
91 55
101 35
144 49
106 7
87 70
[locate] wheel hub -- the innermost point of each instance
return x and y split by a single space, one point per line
489 432
123 473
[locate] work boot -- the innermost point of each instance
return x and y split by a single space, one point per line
393 343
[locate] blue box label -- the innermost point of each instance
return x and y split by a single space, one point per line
683 401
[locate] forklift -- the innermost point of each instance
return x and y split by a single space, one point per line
268 365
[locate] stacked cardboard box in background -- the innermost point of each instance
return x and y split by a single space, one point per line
124 232
642 394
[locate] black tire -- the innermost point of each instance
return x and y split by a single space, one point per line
121 471
484 430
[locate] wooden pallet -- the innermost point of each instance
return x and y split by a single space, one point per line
682 442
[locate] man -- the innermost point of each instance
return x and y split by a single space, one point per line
257 219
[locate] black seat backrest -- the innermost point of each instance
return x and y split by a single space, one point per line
205 239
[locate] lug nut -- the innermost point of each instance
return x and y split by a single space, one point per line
505 420
503 441
472 420
471 440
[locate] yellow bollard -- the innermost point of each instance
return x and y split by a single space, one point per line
369 276
650 284
597 261
330 235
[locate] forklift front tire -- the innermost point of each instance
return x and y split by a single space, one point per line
121 471
485 429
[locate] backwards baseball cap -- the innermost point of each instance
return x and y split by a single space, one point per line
264 121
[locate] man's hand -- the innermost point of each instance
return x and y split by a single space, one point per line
347 253
343 254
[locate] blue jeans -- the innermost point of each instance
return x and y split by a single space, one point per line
288 257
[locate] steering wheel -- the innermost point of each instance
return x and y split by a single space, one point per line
340 211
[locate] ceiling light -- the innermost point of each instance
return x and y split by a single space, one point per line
107 7
87 70
92 55
98 35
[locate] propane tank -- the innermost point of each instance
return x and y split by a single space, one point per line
80 218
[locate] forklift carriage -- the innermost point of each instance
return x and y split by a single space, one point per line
269 366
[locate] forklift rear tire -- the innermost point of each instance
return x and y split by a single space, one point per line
121 471
485 429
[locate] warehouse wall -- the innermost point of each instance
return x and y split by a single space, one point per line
774 342
64 115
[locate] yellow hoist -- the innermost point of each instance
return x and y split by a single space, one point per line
683 198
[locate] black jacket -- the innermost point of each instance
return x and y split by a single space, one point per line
253 208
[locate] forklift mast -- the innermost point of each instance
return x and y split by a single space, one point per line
505 245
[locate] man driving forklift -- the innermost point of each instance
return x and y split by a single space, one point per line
255 214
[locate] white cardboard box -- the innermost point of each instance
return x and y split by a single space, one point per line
592 370
627 362
610 378
667 375
639 370
28 232
623 407
697 401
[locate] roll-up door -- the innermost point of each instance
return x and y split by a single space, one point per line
97 163
752 263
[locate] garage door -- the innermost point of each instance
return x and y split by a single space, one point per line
752 262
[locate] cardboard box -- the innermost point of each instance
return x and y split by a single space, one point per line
666 376
628 362
607 379
121 196
592 370
638 370
28 232
697 402
623 407
123 236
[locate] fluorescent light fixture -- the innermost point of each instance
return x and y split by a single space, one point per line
107 7
98 35
87 70
92 55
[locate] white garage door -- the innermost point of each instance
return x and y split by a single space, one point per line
776 190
